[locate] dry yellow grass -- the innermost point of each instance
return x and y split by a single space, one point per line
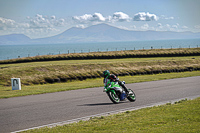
62 71
110 55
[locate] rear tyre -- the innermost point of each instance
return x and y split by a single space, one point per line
113 97
131 97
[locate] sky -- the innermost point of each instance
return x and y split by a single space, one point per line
44 18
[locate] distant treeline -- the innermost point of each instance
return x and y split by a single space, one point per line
110 55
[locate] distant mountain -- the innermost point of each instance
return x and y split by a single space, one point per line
107 33
14 39
102 33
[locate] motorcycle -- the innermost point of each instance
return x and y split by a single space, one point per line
117 91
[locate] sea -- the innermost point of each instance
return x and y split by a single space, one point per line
29 50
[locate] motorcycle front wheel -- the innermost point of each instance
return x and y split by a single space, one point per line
113 97
131 97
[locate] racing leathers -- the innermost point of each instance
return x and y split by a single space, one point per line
113 78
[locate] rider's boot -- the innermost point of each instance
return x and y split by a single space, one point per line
125 88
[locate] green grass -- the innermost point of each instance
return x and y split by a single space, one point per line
110 55
6 92
43 72
184 116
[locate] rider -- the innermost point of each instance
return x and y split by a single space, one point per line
111 78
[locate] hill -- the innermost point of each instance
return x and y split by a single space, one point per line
99 33
14 39
107 33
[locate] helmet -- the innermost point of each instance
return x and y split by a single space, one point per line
106 73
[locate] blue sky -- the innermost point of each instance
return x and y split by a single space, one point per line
43 18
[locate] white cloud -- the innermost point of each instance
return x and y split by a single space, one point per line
23 25
110 19
123 27
60 22
80 26
37 26
98 17
167 27
145 27
159 25
88 17
53 17
142 16
165 17
185 27
133 26
197 26
40 21
40 18
43 26
85 17
175 26
6 23
120 16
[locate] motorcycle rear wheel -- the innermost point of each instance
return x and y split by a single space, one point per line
131 97
113 97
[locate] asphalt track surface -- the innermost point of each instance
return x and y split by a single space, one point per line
32 111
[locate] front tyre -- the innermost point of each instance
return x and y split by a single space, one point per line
131 97
113 97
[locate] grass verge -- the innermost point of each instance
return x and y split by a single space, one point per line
7 92
110 55
68 70
183 116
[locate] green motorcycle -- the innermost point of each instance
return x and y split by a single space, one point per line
117 91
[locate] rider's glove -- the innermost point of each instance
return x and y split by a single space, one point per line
104 90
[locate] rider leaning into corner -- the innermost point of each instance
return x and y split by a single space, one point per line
108 78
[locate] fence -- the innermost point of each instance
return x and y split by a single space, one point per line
106 50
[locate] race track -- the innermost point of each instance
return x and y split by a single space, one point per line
32 111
